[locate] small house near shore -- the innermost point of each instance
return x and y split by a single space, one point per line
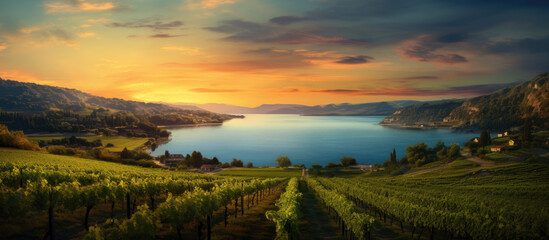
497 148
174 159
207 167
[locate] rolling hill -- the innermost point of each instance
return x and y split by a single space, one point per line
34 99
503 109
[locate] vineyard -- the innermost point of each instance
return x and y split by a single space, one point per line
60 197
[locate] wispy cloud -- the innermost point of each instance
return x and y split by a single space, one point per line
287 20
183 50
425 47
148 23
207 4
470 90
354 60
72 6
86 34
165 36
247 31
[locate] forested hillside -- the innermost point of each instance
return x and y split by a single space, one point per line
33 107
506 108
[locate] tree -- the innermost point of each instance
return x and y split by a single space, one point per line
417 154
392 160
485 138
226 165
196 159
167 154
250 165
527 131
316 166
237 163
215 161
283 161
347 161
126 154
332 165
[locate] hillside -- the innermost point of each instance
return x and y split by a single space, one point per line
20 102
503 109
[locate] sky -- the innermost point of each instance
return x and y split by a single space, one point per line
252 52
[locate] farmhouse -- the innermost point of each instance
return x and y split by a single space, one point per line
174 159
475 140
207 167
496 148
512 142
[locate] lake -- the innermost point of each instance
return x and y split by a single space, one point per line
261 138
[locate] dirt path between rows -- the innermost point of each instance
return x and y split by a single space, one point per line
315 224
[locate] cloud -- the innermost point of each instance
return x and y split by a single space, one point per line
165 36
354 60
208 4
470 90
86 34
413 78
3 46
49 35
424 49
246 31
243 66
527 53
72 6
147 23
211 90
287 20
183 50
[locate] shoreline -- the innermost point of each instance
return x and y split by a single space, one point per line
190 125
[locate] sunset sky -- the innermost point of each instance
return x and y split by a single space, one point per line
252 52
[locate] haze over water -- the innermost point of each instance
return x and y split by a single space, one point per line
261 138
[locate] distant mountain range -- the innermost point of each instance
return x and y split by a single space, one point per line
343 109
503 109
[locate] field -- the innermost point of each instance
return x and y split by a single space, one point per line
119 142
458 200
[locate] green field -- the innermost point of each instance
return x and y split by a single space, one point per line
497 156
119 142
459 200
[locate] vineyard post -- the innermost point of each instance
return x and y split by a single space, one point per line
88 209
242 205
152 202
236 207
225 215
128 205
199 230
112 210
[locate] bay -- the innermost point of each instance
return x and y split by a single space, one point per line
261 138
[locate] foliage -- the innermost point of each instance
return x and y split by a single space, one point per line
348 161
288 213
283 161
15 139
237 163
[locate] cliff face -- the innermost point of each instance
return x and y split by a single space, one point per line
503 109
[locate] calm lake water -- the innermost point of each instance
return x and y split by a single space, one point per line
261 138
